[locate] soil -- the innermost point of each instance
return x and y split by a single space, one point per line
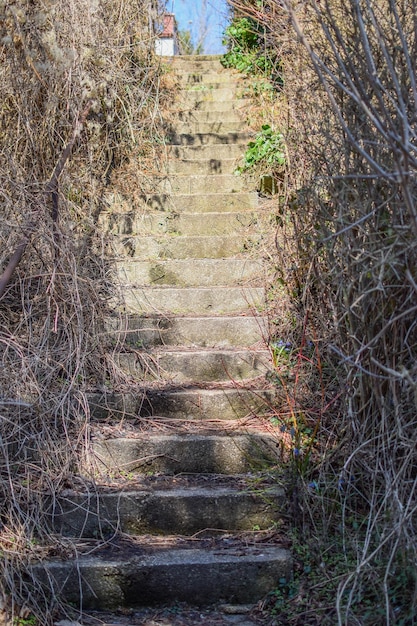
180 615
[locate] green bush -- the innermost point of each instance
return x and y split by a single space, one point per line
267 149
247 52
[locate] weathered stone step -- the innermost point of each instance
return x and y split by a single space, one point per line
181 404
195 365
183 510
195 63
196 184
220 127
207 76
207 152
229 453
179 247
183 273
211 332
206 94
208 105
210 223
204 139
134 575
194 300
217 202
195 115
192 167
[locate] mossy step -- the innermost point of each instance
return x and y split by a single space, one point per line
218 126
195 115
219 151
133 575
153 331
182 404
201 79
200 224
223 453
193 96
194 300
201 183
183 273
189 62
192 167
186 203
195 365
181 247
205 139
172 508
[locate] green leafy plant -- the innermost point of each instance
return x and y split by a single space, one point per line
247 51
30 620
267 149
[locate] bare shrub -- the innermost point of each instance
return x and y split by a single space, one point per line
79 101
349 81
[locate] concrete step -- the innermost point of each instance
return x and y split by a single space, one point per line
196 115
191 366
204 139
206 224
192 167
207 76
179 247
134 574
205 93
194 63
182 404
200 184
183 507
209 105
219 126
221 332
209 152
194 300
230 454
182 273
186 203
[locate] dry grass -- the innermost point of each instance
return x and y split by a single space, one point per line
351 98
80 101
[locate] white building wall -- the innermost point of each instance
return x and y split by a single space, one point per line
165 47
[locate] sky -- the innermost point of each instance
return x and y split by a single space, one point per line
190 15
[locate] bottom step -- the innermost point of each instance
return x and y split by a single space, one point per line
131 576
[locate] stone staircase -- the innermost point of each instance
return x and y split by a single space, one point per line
181 495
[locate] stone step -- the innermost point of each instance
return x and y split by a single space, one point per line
182 404
134 574
219 152
225 453
182 273
192 167
194 300
204 139
193 96
196 115
200 184
180 203
196 365
220 76
220 332
200 224
193 127
194 63
209 105
183 507
179 247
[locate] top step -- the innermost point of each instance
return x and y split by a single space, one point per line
208 62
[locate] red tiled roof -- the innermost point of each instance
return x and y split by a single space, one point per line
168 25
